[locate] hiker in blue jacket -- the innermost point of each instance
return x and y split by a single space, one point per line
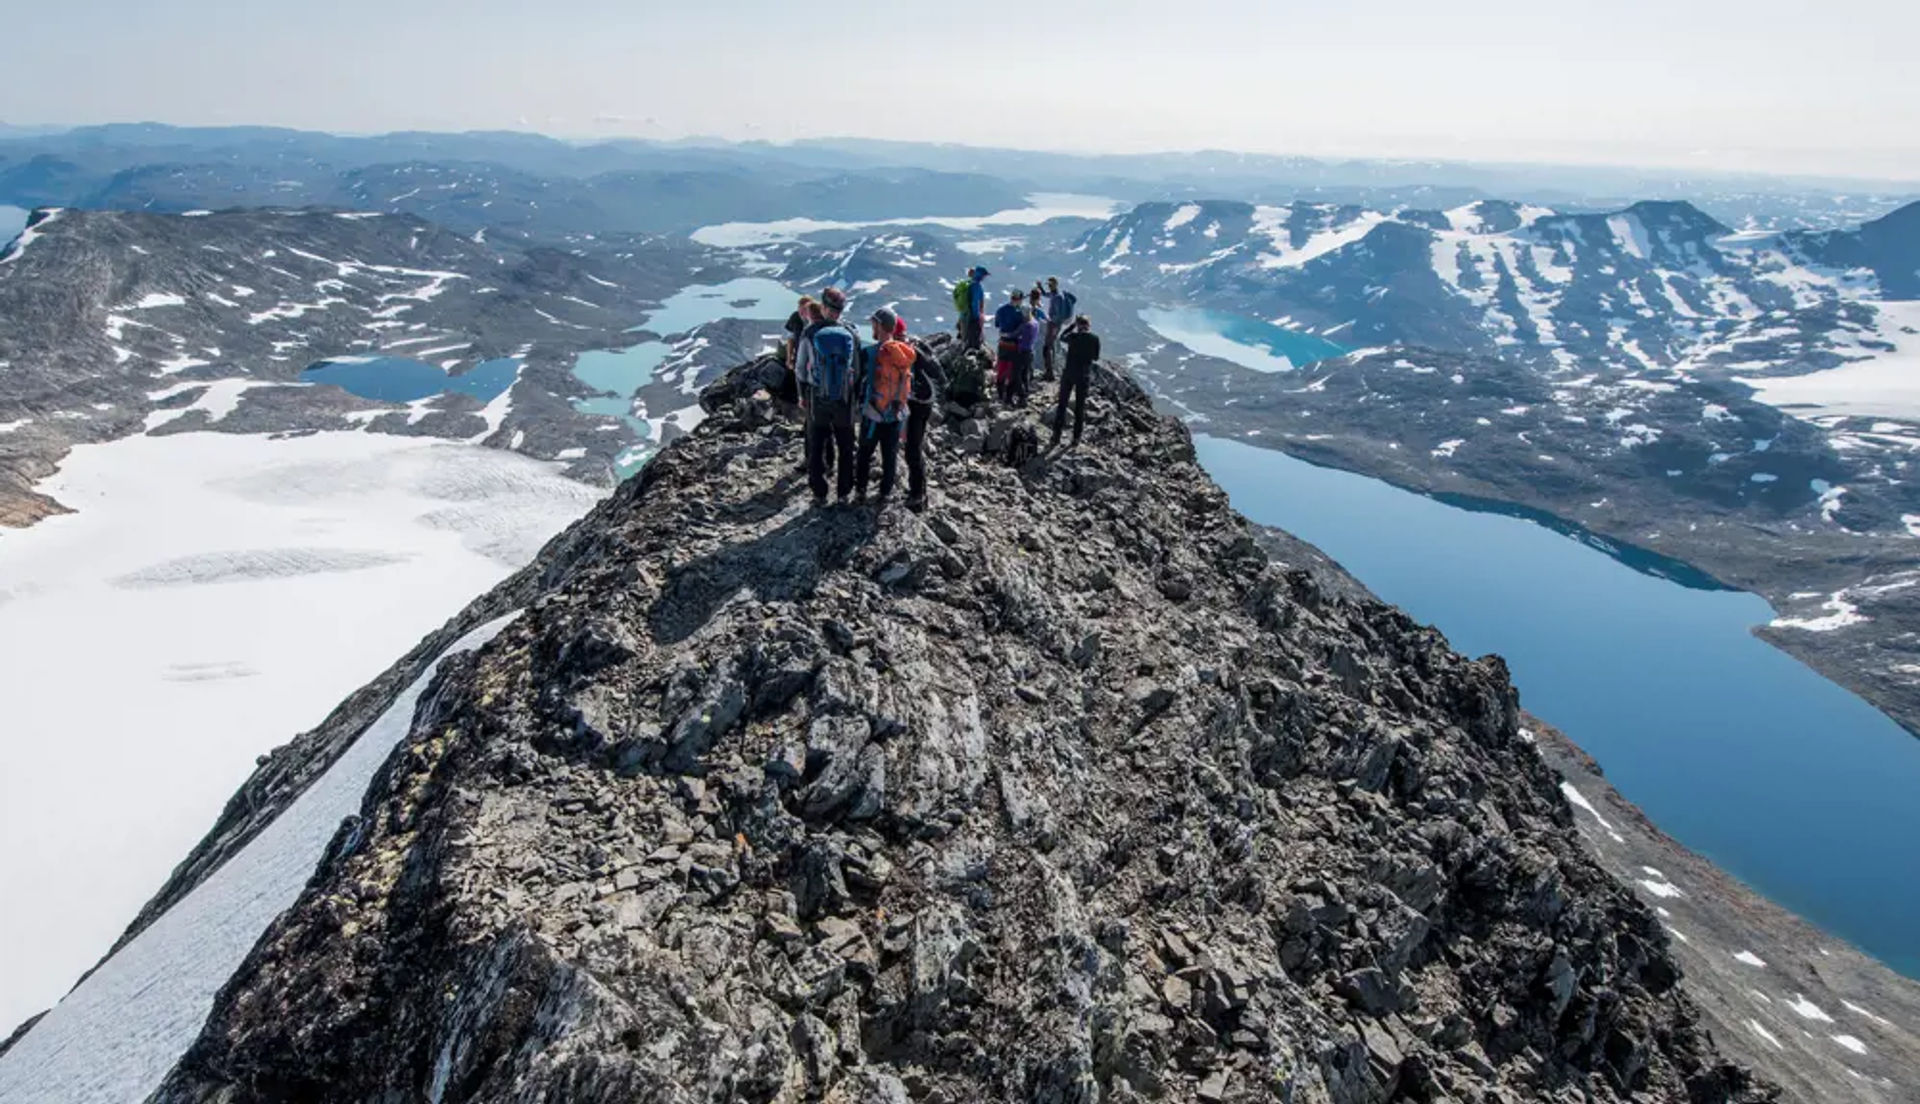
1011 316
829 365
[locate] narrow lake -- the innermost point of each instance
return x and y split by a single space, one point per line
1788 782
1248 342
398 379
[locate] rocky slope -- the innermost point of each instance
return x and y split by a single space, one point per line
1063 791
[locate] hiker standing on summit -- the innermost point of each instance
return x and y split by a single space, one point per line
1008 322
970 300
1061 306
1083 349
929 384
829 361
886 384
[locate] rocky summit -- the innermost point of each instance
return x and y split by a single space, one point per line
1061 791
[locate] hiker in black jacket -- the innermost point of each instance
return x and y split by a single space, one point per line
1083 349
929 384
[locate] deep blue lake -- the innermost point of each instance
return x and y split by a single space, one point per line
1788 782
12 221
1248 342
398 379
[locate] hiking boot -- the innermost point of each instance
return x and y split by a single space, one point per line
917 503
819 502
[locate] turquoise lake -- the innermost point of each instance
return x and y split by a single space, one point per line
398 379
621 373
1787 781
1248 342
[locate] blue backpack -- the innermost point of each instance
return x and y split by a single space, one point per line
835 353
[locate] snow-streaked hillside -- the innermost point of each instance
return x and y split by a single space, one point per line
1655 287
213 595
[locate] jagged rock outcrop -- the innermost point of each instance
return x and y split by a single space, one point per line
1062 791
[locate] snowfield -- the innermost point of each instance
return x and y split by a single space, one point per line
116 1036
1882 384
1042 207
212 596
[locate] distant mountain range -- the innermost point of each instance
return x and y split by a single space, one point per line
554 187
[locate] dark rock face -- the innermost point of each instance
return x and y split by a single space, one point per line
1062 791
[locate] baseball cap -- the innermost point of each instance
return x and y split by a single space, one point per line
885 319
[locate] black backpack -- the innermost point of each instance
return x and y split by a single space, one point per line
1023 444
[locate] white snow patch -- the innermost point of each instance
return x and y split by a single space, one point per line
1182 216
162 756
1807 1010
1445 449
1840 614
1750 959
1850 1043
1880 384
158 299
1579 800
1856 1009
1754 1026
1041 207
116 1035
180 363
1661 887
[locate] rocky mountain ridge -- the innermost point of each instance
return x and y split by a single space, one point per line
1063 791
1653 286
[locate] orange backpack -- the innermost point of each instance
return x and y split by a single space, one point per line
892 382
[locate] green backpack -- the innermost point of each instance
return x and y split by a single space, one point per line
967 378
963 296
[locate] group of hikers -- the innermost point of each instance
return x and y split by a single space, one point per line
860 396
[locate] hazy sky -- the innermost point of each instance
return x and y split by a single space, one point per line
1787 85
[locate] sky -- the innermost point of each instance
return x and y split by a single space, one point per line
1772 85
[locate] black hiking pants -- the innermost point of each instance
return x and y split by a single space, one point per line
807 442
1073 382
886 437
1047 353
830 444
970 328
918 416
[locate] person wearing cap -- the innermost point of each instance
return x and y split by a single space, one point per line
886 385
829 367
1083 349
1061 306
1008 321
